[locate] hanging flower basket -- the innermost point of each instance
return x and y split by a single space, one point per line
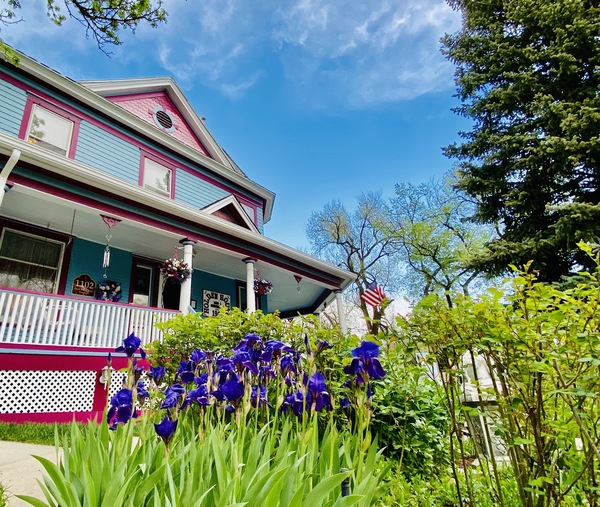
175 268
108 291
262 286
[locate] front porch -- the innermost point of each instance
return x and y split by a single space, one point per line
28 318
53 352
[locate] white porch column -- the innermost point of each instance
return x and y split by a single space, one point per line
185 295
340 310
250 297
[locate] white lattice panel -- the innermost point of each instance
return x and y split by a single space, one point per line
46 391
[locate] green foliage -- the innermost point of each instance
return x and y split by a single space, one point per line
32 433
436 240
358 242
102 19
409 417
3 496
527 75
184 333
541 343
227 465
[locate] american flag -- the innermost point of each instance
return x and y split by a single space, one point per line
374 294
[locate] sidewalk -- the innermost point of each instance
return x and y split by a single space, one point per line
19 472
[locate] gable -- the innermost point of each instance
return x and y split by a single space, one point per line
158 110
230 210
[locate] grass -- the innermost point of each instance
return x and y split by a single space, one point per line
3 498
31 433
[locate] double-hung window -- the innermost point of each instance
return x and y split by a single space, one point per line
29 262
50 126
157 177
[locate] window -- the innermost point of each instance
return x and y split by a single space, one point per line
157 177
50 130
29 262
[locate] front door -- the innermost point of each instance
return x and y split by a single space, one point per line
145 283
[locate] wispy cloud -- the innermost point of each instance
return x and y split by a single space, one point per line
330 52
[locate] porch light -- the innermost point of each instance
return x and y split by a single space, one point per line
104 375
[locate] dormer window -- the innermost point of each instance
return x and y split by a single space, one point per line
163 119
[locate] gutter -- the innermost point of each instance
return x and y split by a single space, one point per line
6 170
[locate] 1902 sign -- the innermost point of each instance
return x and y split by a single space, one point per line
213 301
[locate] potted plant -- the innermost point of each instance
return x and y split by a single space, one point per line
175 268
262 286
108 290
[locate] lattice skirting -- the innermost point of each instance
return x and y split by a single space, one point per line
46 391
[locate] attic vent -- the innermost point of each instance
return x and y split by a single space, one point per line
163 119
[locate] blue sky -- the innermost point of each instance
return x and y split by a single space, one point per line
314 99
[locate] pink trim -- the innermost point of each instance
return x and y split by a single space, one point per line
146 155
120 135
32 100
157 223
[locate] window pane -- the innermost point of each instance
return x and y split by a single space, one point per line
50 130
29 262
157 177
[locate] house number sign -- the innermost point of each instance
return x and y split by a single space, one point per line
83 285
213 301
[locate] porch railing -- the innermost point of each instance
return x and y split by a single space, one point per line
45 319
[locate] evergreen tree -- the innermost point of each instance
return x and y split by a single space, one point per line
528 75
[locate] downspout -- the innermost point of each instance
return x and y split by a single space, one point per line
6 170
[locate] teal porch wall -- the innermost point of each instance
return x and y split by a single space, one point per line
86 258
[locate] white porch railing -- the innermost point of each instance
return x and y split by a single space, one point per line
44 319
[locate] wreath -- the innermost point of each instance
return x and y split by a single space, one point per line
108 291
262 286
175 268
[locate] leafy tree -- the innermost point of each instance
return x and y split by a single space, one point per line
359 243
103 19
528 75
436 239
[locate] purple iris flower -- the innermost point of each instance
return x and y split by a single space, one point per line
248 343
287 365
158 373
141 390
322 345
121 408
295 402
242 361
130 346
185 371
365 363
318 391
198 395
232 391
197 356
258 396
172 395
165 429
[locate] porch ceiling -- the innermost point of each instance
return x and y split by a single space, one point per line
50 212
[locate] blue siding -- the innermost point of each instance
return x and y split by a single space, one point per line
207 281
196 192
12 106
86 257
107 152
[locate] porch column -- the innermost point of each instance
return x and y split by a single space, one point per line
250 298
340 310
185 295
